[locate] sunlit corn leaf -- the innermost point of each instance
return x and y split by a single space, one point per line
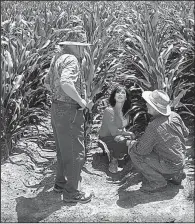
178 98
137 116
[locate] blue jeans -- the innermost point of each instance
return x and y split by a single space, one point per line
117 148
67 123
155 170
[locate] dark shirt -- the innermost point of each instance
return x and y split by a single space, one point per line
164 135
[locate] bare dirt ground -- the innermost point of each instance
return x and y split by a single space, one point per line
27 181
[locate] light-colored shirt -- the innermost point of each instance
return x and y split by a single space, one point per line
164 135
65 69
112 124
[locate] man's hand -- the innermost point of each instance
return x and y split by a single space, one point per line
129 135
83 104
86 104
130 144
89 104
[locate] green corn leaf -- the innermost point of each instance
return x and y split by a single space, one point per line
144 63
176 63
98 32
167 53
138 80
154 20
183 68
143 71
142 42
95 52
9 60
187 112
109 21
177 99
103 53
22 57
135 118
45 45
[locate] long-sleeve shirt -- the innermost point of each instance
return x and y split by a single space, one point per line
165 135
112 125
64 69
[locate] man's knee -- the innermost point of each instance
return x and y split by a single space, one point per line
135 158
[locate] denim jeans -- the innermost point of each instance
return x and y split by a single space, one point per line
155 169
67 123
118 148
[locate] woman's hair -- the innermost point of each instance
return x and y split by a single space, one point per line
127 103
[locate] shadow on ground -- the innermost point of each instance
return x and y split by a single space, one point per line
37 208
129 199
100 162
43 205
130 177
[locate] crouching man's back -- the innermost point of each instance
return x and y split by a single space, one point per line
159 153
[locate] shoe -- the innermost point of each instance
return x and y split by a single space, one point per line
119 169
148 189
177 179
58 189
113 166
79 196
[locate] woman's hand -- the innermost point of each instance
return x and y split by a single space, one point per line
129 135
119 138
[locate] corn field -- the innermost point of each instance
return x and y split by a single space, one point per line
142 44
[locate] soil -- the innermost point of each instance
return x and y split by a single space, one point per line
27 195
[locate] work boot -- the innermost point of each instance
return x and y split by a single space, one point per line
149 189
113 166
58 189
177 178
78 196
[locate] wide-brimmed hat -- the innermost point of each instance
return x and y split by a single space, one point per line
73 43
159 100
78 46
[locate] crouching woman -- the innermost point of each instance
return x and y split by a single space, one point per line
114 122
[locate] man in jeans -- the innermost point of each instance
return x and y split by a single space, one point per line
158 154
66 83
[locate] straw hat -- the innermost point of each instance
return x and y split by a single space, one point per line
159 100
77 47
72 43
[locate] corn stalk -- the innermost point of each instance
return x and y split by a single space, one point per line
98 24
149 51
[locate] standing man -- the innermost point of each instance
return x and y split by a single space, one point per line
158 154
66 83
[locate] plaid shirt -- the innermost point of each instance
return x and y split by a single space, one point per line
165 135
64 69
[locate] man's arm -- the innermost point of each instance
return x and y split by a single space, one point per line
71 91
70 74
147 142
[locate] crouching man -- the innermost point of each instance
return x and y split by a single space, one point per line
158 154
